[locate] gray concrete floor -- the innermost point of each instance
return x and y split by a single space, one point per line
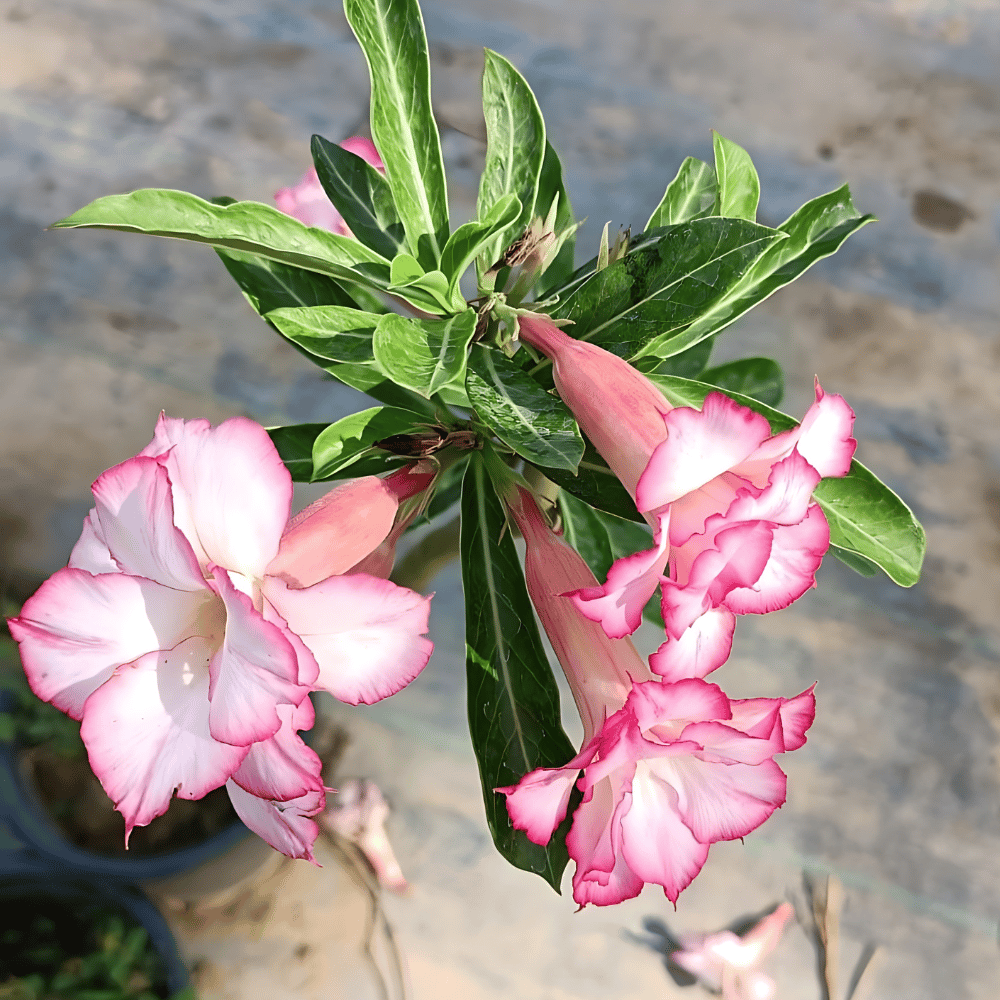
898 789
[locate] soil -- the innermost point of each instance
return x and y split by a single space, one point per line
86 816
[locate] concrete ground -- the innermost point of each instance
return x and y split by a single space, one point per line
897 792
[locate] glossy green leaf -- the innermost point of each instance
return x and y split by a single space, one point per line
295 446
865 516
815 231
536 424
760 378
340 445
514 717
391 33
423 354
690 195
515 149
551 185
362 196
688 364
738 184
630 306
469 240
269 284
335 333
584 530
595 484
249 226
855 561
429 291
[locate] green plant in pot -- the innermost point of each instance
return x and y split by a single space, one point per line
69 941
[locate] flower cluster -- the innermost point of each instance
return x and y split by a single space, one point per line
670 763
194 619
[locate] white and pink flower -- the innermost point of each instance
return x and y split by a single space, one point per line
668 767
308 202
729 964
193 621
735 528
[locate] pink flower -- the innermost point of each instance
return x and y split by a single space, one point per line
358 813
729 964
668 768
308 202
190 626
731 504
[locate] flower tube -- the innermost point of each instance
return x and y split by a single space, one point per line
668 767
190 625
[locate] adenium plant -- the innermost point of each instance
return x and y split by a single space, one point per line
573 404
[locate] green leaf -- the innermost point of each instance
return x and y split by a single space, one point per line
536 424
335 333
249 226
362 196
466 243
865 516
688 364
295 445
629 307
269 284
855 560
515 149
738 183
815 231
341 444
429 291
514 717
595 484
550 185
690 195
391 33
760 378
584 530
423 354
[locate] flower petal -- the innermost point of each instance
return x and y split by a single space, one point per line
146 733
231 491
656 843
309 203
367 634
286 826
537 803
365 148
723 801
77 628
632 580
135 511
283 767
655 703
702 647
823 439
91 550
796 715
337 531
700 445
253 672
786 498
737 559
796 553
602 875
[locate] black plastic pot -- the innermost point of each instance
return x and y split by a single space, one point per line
27 881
